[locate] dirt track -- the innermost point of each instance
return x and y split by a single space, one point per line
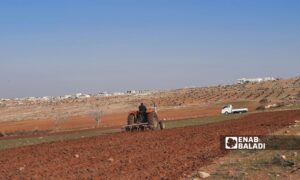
169 154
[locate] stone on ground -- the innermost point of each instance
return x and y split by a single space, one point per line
203 174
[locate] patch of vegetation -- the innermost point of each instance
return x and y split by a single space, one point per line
260 108
26 133
264 101
289 107
200 121
231 170
18 142
247 164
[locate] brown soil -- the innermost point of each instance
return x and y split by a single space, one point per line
169 154
109 120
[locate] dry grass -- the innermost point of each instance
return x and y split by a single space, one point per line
247 164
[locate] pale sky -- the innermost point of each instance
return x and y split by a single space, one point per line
62 47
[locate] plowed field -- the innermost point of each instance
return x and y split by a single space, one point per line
165 154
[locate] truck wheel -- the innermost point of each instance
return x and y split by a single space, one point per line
226 113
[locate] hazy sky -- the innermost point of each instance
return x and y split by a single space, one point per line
62 47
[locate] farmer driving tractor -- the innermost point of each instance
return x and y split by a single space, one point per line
143 112
143 119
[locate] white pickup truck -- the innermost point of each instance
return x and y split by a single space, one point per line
228 109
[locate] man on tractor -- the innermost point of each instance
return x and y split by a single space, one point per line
143 112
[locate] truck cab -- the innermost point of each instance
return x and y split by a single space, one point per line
228 109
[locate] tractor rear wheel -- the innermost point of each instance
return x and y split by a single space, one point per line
130 119
162 125
152 120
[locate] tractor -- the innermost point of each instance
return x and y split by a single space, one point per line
138 121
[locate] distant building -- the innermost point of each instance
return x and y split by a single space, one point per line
31 98
137 91
45 98
100 94
254 80
80 95
66 97
118 93
131 92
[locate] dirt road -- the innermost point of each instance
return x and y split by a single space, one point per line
169 154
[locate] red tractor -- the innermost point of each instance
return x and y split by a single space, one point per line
138 121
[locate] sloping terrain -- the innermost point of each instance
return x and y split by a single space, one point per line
155 154
284 90
173 104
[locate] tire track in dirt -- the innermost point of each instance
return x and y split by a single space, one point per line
165 154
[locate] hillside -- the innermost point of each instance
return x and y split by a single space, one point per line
172 104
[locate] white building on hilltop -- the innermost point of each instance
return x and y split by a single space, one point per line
254 80
80 95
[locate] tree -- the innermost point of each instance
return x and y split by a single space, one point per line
97 114
59 117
